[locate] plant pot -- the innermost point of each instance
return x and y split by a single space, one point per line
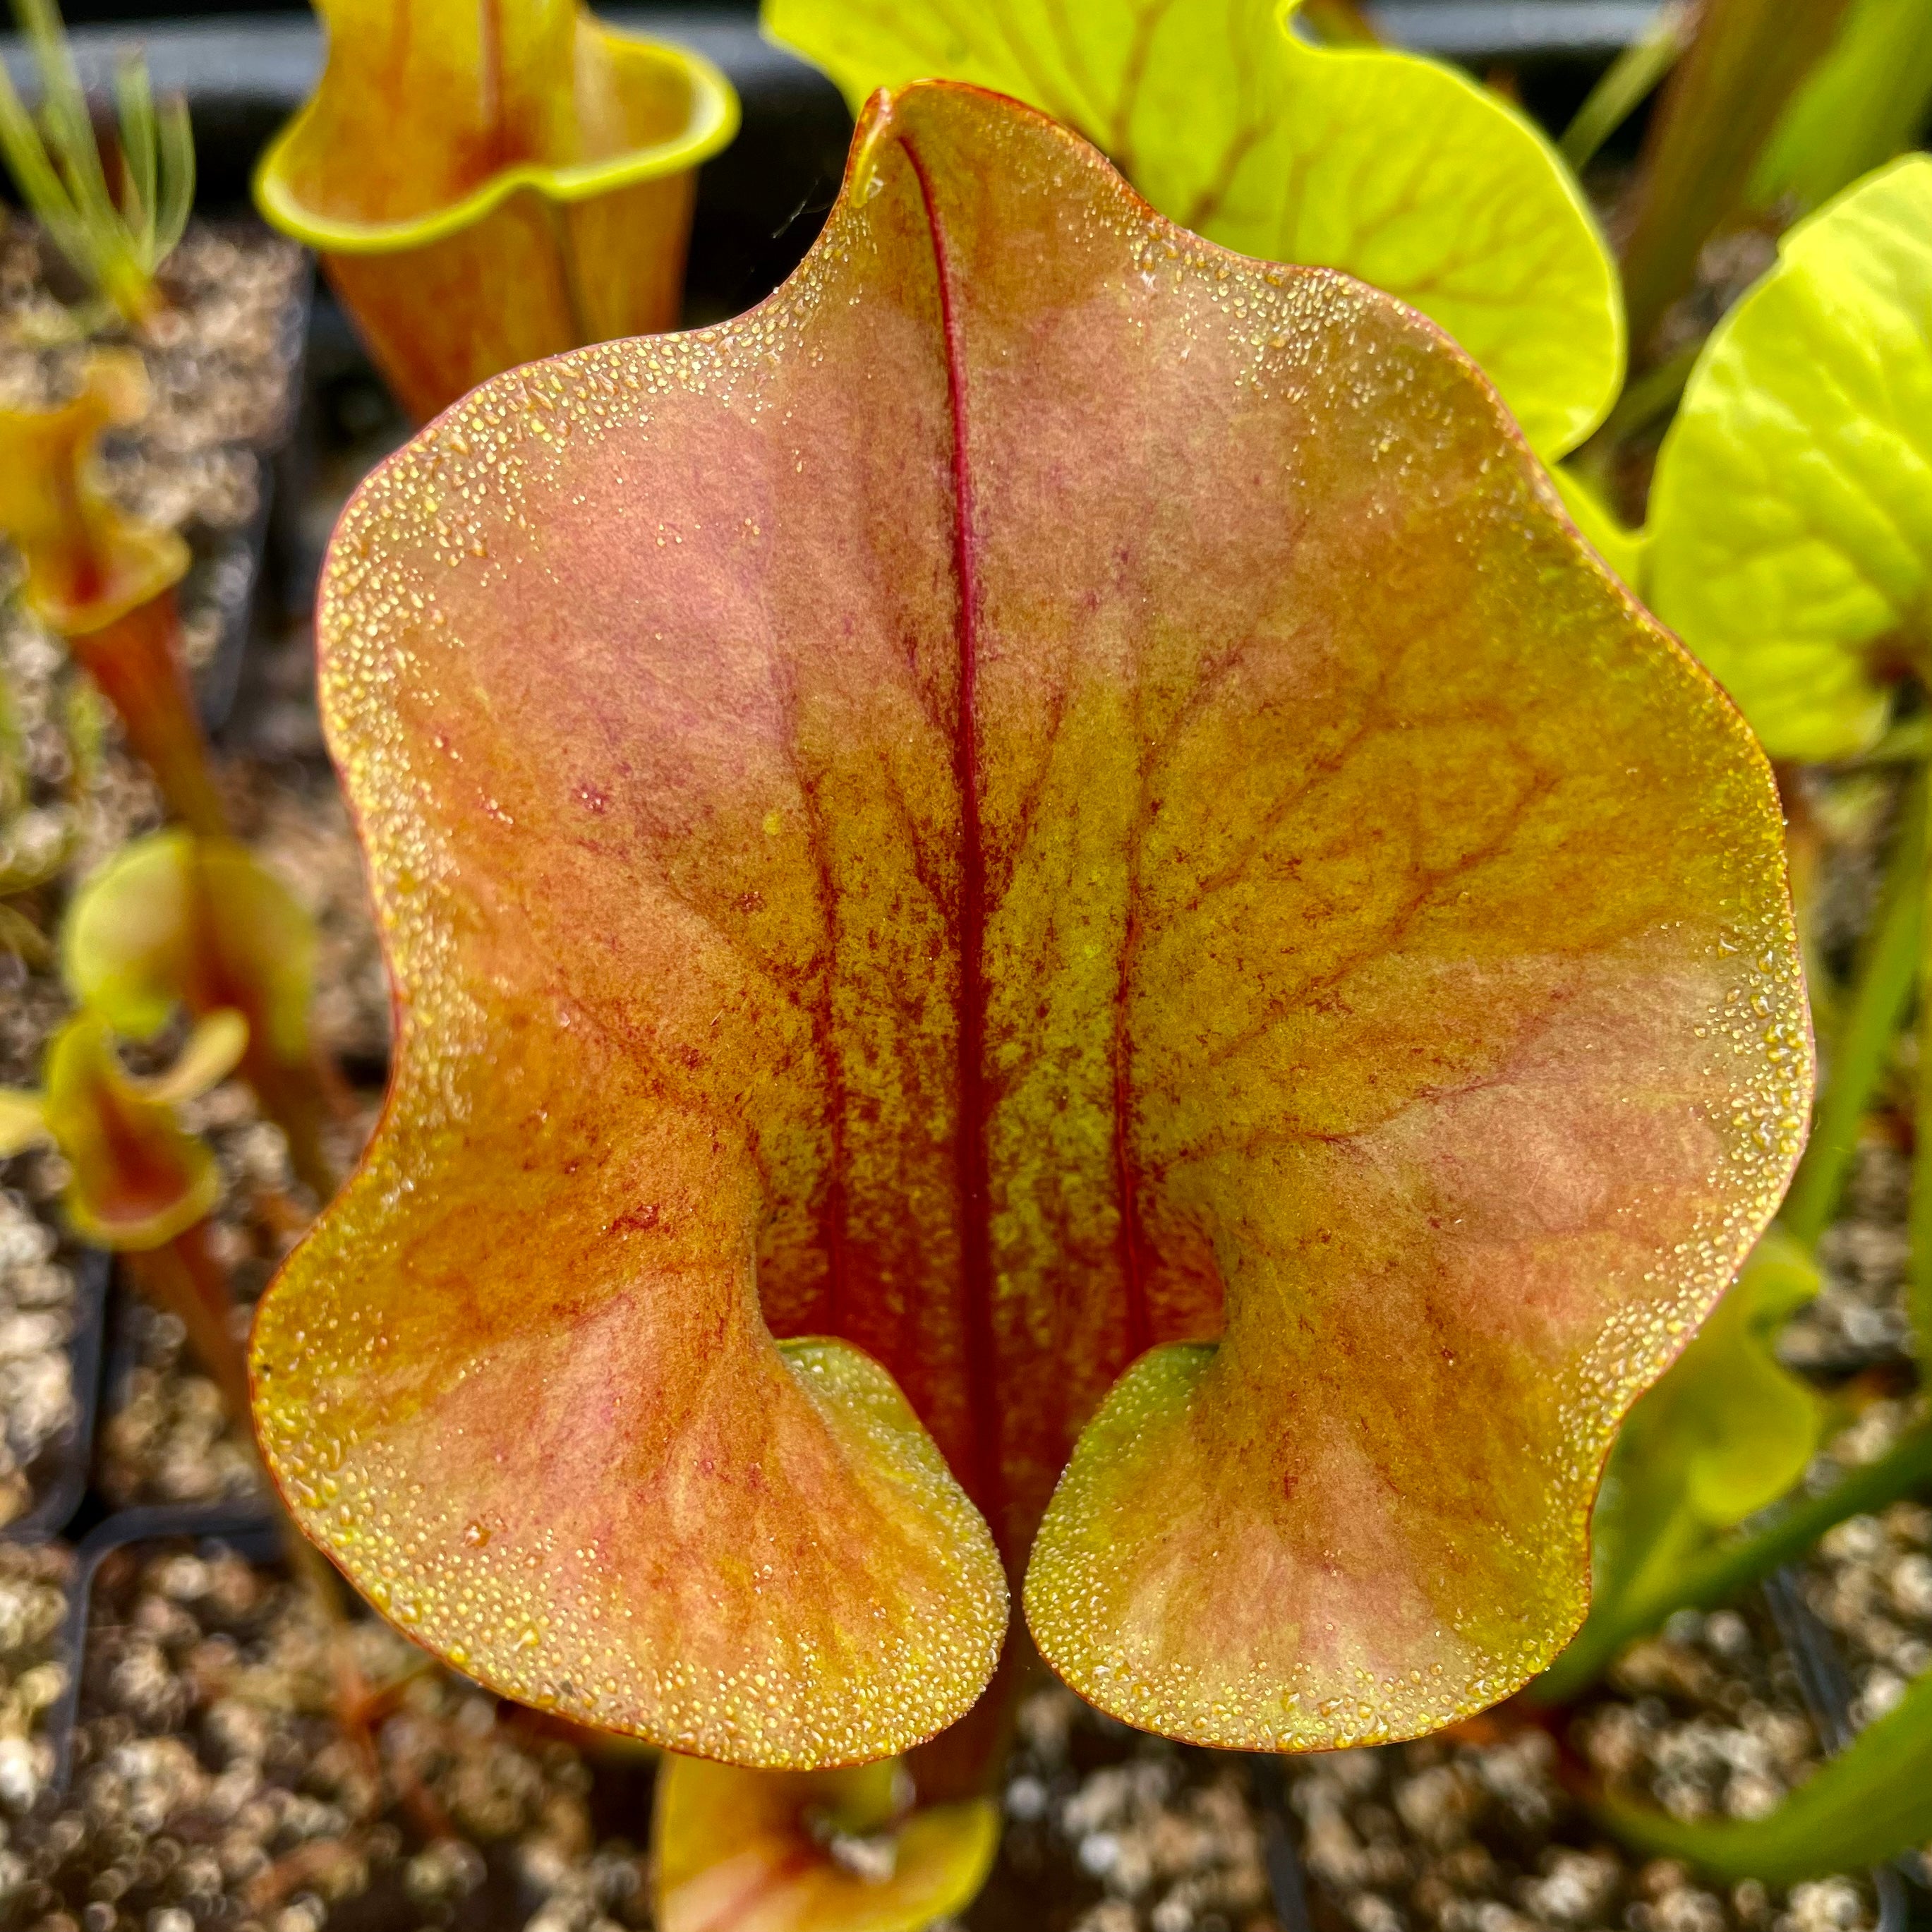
145 1417
220 1754
760 203
237 563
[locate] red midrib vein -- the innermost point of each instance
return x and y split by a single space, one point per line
986 1482
1133 1267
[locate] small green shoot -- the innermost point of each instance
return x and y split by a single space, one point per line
1626 84
116 242
1722 1572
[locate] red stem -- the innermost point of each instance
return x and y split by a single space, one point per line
136 661
183 1277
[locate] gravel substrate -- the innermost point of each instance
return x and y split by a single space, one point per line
34 1581
214 1781
219 362
38 1310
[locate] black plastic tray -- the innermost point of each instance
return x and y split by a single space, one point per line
1288 1891
248 1529
244 72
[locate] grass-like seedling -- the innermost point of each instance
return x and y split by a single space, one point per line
116 234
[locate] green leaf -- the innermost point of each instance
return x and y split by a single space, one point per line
1394 169
1791 516
1868 1805
1865 102
1727 1431
1717 1575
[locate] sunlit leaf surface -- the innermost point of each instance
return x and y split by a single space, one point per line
1063 811
1394 168
1790 541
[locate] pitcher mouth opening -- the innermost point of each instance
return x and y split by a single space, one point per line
678 107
